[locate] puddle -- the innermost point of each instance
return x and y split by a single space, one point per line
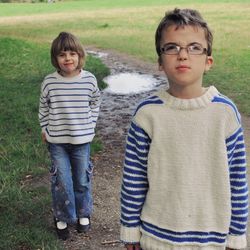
97 54
124 79
130 83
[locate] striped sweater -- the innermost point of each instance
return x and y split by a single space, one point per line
69 108
184 180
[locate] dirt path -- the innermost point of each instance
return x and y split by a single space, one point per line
113 123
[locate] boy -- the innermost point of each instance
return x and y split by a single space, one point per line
69 107
184 181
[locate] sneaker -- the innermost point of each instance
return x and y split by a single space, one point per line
63 234
83 225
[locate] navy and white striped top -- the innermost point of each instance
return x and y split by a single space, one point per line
69 108
184 180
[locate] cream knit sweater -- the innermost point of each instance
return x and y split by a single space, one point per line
184 183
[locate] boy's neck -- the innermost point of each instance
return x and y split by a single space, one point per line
186 92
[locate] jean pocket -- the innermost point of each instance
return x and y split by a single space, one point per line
90 171
53 169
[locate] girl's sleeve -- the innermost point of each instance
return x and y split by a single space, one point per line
134 183
239 190
95 103
43 114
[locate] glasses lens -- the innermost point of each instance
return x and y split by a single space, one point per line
170 49
192 49
195 49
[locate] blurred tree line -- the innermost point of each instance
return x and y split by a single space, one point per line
28 1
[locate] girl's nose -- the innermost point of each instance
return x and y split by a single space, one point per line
67 56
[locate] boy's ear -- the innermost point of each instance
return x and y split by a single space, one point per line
160 64
209 63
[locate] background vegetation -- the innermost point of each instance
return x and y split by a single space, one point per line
129 26
26 31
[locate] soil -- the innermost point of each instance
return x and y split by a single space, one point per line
115 115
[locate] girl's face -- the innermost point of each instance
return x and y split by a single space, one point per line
68 63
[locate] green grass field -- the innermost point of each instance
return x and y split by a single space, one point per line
26 31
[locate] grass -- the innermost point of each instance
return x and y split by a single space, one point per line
25 209
129 26
26 31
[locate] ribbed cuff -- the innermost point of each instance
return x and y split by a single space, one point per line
236 241
130 234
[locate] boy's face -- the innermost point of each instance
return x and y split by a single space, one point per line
68 63
185 69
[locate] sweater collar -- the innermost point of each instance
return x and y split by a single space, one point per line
69 79
185 104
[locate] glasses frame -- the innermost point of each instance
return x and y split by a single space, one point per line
179 48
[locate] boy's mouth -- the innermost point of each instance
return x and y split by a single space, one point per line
182 67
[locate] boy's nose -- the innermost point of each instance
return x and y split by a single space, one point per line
183 54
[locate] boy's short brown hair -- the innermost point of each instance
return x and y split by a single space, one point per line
180 18
63 42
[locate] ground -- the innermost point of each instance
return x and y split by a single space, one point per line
112 126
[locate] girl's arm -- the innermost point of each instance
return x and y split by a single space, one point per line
95 103
43 109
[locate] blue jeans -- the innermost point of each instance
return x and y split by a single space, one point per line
71 173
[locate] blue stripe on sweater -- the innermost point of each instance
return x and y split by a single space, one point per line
184 237
135 183
150 100
225 100
67 84
238 181
69 135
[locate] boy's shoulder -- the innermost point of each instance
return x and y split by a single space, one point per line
220 98
153 99
228 103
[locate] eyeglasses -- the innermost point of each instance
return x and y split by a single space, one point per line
174 49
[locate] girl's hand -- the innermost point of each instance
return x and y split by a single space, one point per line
133 246
44 137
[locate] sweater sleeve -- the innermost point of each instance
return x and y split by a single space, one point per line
95 103
43 114
134 183
239 190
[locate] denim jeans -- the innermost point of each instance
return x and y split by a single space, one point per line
71 172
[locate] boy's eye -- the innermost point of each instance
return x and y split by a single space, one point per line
170 49
192 49
73 53
195 47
